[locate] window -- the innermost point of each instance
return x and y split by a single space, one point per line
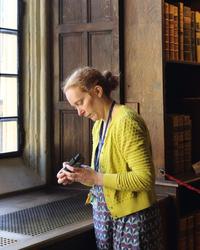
10 82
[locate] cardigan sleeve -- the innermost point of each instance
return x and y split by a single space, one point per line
133 142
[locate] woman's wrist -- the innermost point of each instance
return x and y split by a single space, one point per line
99 179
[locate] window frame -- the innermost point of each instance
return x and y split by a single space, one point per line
19 117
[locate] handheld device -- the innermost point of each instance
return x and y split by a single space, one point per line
75 161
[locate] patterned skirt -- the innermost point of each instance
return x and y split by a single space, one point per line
137 231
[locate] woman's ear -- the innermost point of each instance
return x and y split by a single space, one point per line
98 90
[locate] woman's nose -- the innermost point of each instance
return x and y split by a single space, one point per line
80 112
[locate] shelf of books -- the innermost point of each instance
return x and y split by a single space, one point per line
180 233
189 232
181 31
181 53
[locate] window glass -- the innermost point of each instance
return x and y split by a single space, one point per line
8 52
8 14
8 136
8 96
10 102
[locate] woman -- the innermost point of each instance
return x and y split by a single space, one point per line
125 212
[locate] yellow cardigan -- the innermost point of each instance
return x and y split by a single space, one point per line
126 162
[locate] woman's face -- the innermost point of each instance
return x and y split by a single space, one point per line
87 104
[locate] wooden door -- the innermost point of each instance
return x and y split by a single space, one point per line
85 32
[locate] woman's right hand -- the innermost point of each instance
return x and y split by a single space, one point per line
62 176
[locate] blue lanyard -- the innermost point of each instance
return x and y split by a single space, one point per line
102 138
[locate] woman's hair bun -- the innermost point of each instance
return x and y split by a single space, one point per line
111 80
108 75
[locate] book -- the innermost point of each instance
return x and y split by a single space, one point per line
174 144
186 233
171 32
167 209
193 35
187 33
190 232
197 230
191 107
182 234
197 31
181 146
176 49
166 30
180 31
187 134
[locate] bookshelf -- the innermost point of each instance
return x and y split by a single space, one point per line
164 85
181 85
181 77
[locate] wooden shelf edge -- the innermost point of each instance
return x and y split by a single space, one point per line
166 183
179 62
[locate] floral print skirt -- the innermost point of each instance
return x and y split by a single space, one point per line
137 231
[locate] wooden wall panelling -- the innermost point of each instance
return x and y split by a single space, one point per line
143 67
78 138
134 105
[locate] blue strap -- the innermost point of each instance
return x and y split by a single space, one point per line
102 138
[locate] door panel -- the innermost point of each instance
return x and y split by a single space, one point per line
100 41
85 32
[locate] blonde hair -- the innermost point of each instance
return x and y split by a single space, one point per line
88 77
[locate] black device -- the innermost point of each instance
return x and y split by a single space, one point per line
75 161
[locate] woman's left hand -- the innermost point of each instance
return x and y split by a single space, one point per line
85 175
